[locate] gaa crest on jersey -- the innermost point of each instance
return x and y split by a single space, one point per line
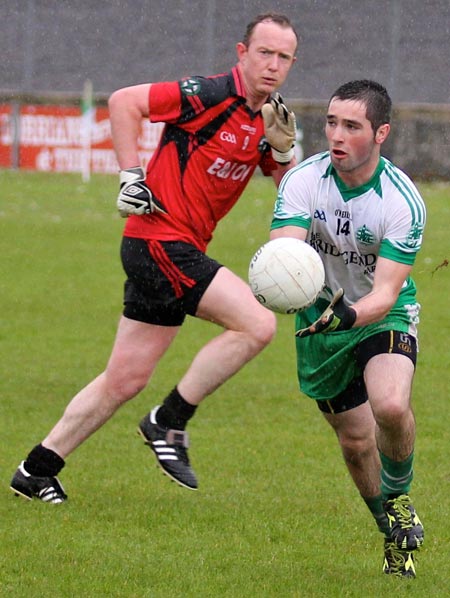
190 87
365 236
415 235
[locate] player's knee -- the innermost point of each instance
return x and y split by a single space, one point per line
123 386
392 412
264 328
357 450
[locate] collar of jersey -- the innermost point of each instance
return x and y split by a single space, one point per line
352 192
238 89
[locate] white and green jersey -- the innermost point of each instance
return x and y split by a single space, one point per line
351 227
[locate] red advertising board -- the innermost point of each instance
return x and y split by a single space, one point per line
6 138
52 139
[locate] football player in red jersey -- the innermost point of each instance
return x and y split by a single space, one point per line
217 131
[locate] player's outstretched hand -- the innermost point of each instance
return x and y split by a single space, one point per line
135 198
337 316
279 128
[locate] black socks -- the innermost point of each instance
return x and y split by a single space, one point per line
175 412
43 462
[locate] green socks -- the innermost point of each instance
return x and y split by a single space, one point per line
375 504
396 476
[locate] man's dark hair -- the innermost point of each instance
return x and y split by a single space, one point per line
267 17
373 95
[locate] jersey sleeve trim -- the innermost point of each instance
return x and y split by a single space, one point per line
388 251
293 221
415 204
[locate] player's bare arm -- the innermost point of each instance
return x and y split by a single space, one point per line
127 108
388 281
373 307
280 171
296 232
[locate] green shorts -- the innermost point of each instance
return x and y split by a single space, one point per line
326 363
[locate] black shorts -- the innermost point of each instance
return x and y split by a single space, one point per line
166 280
388 341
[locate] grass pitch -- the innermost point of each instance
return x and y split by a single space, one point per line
276 514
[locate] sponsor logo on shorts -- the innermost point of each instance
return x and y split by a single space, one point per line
404 343
405 348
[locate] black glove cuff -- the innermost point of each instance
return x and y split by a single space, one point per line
348 318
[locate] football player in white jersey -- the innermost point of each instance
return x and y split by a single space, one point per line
356 352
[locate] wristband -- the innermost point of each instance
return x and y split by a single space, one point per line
283 158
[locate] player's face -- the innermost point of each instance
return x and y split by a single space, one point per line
266 61
354 148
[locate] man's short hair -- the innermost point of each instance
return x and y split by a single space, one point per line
373 95
267 17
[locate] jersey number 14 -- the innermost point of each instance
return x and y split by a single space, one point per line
343 228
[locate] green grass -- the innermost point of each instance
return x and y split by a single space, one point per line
276 514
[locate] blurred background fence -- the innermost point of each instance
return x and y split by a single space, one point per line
50 48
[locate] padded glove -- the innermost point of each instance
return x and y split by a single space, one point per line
135 198
337 316
280 129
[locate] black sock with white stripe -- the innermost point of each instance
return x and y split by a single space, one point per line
175 412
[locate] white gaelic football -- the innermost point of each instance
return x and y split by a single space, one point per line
286 275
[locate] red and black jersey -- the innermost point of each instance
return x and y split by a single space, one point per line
209 149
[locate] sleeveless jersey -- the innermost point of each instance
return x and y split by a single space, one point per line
209 149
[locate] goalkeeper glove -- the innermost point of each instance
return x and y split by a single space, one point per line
280 129
337 316
135 198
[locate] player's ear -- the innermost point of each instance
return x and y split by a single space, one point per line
241 49
382 133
